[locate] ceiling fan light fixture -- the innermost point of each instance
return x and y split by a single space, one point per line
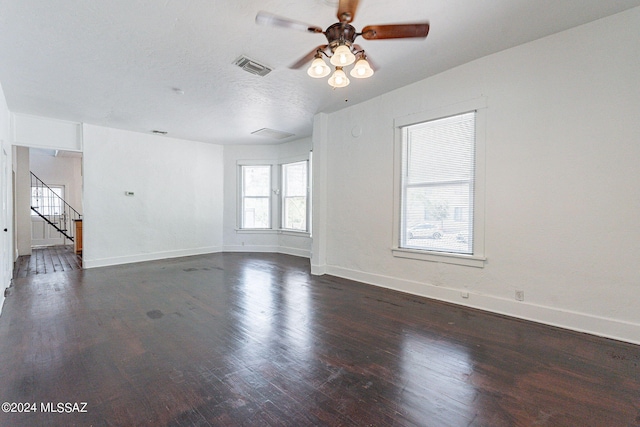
339 78
362 69
342 56
318 68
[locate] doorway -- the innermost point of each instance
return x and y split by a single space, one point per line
48 203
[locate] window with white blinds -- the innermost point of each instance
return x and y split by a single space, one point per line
437 180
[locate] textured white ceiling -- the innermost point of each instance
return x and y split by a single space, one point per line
118 63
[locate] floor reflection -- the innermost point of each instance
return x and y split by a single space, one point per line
256 305
435 376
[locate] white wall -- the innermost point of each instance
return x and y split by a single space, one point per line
177 205
6 204
562 176
259 241
43 132
22 197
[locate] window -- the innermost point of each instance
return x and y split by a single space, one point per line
256 200
47 200
437 184
439 194
260 201
294 196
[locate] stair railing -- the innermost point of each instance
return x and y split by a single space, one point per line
52 208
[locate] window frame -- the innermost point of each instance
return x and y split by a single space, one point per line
477 258
242 196
52 188
282 198
275 198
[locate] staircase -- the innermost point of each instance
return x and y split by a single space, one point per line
52 208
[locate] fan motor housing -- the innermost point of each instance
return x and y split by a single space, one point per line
340 32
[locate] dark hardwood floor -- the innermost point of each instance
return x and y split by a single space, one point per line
45 260
255 340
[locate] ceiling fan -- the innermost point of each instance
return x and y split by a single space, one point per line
340 42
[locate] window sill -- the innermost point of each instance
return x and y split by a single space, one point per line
272 231
457 259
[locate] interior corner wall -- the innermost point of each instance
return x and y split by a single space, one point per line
177 204
6 190
22 209
234 241
561 184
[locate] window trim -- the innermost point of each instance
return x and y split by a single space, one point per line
275 199
281 194
51 187
478 258
241 196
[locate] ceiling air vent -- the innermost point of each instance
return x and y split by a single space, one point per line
272 133
251 66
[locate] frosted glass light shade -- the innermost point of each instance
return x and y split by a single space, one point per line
318 68
339 78
342 56
361 70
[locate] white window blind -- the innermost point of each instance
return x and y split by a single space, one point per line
437 199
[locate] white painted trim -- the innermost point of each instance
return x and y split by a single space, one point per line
251 248
579 322
283 231
447 258
302 253
479 105
274 249
318 270
154 256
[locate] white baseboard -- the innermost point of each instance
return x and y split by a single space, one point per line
579 322
154 256
269 249
251 248
302 253
318 270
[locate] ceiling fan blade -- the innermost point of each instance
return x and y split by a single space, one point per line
347 10
269 19
308 57
397 31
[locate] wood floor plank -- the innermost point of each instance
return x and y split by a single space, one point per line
255 339
40 265
45 260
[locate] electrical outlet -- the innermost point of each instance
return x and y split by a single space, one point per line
464 294
519 295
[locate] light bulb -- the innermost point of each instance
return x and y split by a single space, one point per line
361 70
342 56
318 68
339 78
